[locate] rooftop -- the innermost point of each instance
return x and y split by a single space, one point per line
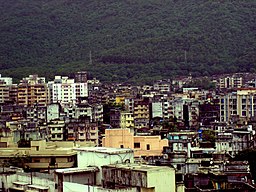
77 170
139 167
108 150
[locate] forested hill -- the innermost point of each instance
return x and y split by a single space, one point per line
129 40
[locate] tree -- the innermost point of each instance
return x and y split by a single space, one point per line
209 135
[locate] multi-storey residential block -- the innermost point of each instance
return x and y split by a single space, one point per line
186 110
4 92
66 91
163 86
13 93
234 81
36 113
209 112
141 113
32 91
129 104
127 120
240 103
94 111
233 139
115 117
81 77
82 130
57 130
53 112
5 85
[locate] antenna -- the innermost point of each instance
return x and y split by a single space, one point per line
185 55
90 58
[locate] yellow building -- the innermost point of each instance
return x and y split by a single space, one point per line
127 120
144 146
39 156
120 99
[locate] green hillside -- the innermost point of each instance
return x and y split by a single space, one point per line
135 41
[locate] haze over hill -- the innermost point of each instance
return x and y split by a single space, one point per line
129 40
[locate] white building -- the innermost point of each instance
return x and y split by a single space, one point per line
99 156
157 109
66 91
6 80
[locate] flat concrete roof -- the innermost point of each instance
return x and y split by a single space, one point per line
20 183
140 167
38 187
108 150
77 170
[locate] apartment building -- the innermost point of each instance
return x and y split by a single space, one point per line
234 81
127 120
66 91
57 130
32 90
94 111
141 113
82 130
238 104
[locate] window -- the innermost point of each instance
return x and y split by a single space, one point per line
148 147
121 146
52 161
136 145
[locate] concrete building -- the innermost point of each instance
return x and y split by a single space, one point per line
82 130
100 156
94 111
57 130
234 81
127 120
144 177
39 156
83 176
4 92
52 112
157 109
238 104
141 113
32 91
115 118
163 86
66 91
144 146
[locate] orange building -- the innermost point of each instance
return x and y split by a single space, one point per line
32 90
143 146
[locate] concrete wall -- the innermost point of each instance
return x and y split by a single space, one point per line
87 158
117 137
162 180
23 177
74 187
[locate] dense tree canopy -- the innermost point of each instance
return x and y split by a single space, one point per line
135 41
